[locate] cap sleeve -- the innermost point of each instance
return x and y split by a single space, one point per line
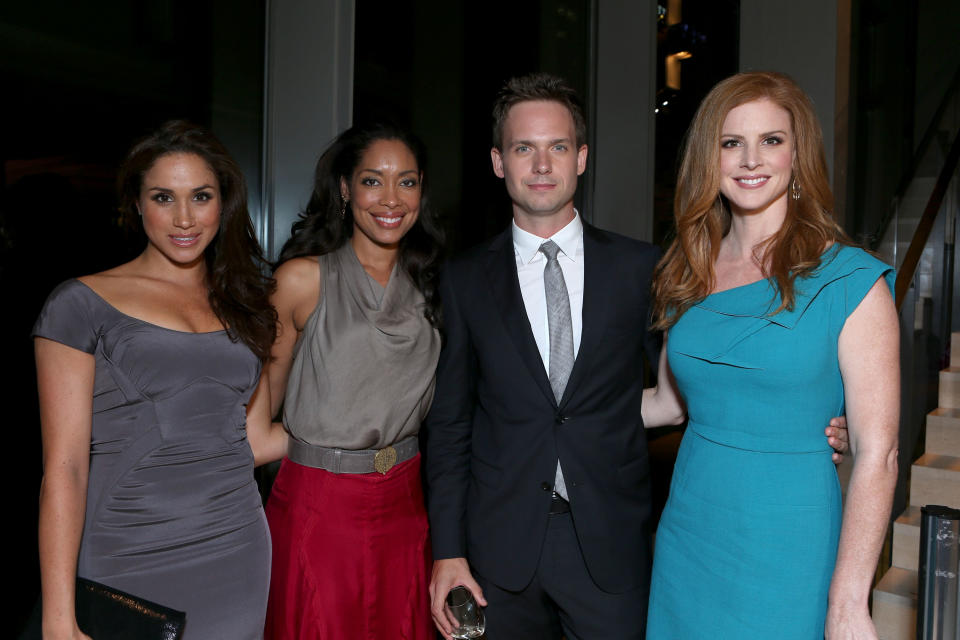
67 317
862 272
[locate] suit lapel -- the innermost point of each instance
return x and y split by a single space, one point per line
501 264
596 269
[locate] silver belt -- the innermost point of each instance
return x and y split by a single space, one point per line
349 461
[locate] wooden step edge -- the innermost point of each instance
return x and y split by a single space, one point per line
945 413
948 392
943 432
935 479
937 462
895 605
898 586
905 551
910 517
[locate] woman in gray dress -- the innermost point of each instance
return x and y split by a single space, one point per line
353 365
148 378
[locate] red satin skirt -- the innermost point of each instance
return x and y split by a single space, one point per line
351 555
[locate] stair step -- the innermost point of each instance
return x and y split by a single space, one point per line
895 605
935 479
906 539
943 429
949 396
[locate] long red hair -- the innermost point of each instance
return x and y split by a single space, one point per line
685 275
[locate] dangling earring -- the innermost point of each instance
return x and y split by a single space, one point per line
795 189
343 208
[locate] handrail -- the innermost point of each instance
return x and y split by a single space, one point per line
907 177
922 234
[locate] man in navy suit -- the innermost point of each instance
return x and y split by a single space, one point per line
539 489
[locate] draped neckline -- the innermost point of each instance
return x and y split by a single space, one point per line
393 309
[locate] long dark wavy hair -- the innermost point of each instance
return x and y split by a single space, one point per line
321 228
236 276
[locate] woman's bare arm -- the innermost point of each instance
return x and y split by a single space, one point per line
869 351
296 296
65 383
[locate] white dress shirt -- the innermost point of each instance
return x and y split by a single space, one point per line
530 265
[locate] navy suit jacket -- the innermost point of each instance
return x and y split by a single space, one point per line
495 431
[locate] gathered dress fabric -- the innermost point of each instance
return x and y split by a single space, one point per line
173 513
351 552
747 543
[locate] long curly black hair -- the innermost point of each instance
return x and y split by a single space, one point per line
321 229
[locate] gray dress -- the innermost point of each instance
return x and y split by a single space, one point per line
173 513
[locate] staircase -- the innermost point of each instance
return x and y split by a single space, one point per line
934 479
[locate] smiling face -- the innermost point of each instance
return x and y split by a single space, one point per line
539 163
757 150
180 204
383 193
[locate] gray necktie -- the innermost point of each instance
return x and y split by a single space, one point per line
561 334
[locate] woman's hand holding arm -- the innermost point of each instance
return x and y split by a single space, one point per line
268 440
298 288
65 384
662 405
870 365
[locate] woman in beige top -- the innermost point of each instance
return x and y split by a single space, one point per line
353 367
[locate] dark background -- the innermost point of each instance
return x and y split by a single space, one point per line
82 81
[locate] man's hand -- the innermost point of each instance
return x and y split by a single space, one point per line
447 574
837 437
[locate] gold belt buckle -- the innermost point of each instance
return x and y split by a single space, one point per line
384 459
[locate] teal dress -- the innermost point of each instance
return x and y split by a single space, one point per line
747 543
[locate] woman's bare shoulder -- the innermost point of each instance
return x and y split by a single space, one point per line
298 273
298 289
113 282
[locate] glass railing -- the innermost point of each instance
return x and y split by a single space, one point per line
900 222
927 317
920 241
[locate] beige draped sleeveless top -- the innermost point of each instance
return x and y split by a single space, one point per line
363 372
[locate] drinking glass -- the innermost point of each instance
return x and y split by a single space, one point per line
464 613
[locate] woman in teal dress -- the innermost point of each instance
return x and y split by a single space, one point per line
775 323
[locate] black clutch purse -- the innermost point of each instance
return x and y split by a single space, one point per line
105 613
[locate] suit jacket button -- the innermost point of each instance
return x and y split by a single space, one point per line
545 486
560 418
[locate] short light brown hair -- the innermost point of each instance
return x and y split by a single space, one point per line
533 87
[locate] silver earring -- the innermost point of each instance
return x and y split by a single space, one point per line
343 208
795 189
